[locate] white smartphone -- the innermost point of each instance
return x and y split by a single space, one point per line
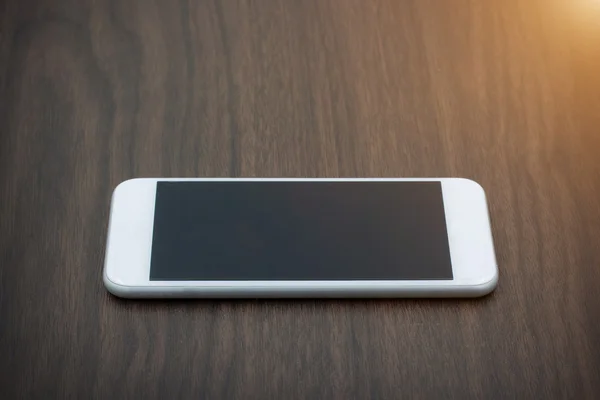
286 237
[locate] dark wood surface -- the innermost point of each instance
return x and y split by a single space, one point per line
96 92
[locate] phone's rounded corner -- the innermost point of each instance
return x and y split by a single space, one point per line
115 288
126 184
488 286
471 184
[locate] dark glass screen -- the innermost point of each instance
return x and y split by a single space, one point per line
299 231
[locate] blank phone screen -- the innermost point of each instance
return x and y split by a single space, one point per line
303 230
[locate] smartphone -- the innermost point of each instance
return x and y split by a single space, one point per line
247 237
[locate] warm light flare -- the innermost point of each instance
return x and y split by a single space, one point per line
585 14
588 6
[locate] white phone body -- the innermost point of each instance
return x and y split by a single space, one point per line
129 246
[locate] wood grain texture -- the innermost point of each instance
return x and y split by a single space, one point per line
95 92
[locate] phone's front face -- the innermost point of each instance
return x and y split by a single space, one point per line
297 232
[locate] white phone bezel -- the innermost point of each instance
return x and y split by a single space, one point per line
129 245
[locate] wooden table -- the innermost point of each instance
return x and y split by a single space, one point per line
96 92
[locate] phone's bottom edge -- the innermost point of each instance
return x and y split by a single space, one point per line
221 293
